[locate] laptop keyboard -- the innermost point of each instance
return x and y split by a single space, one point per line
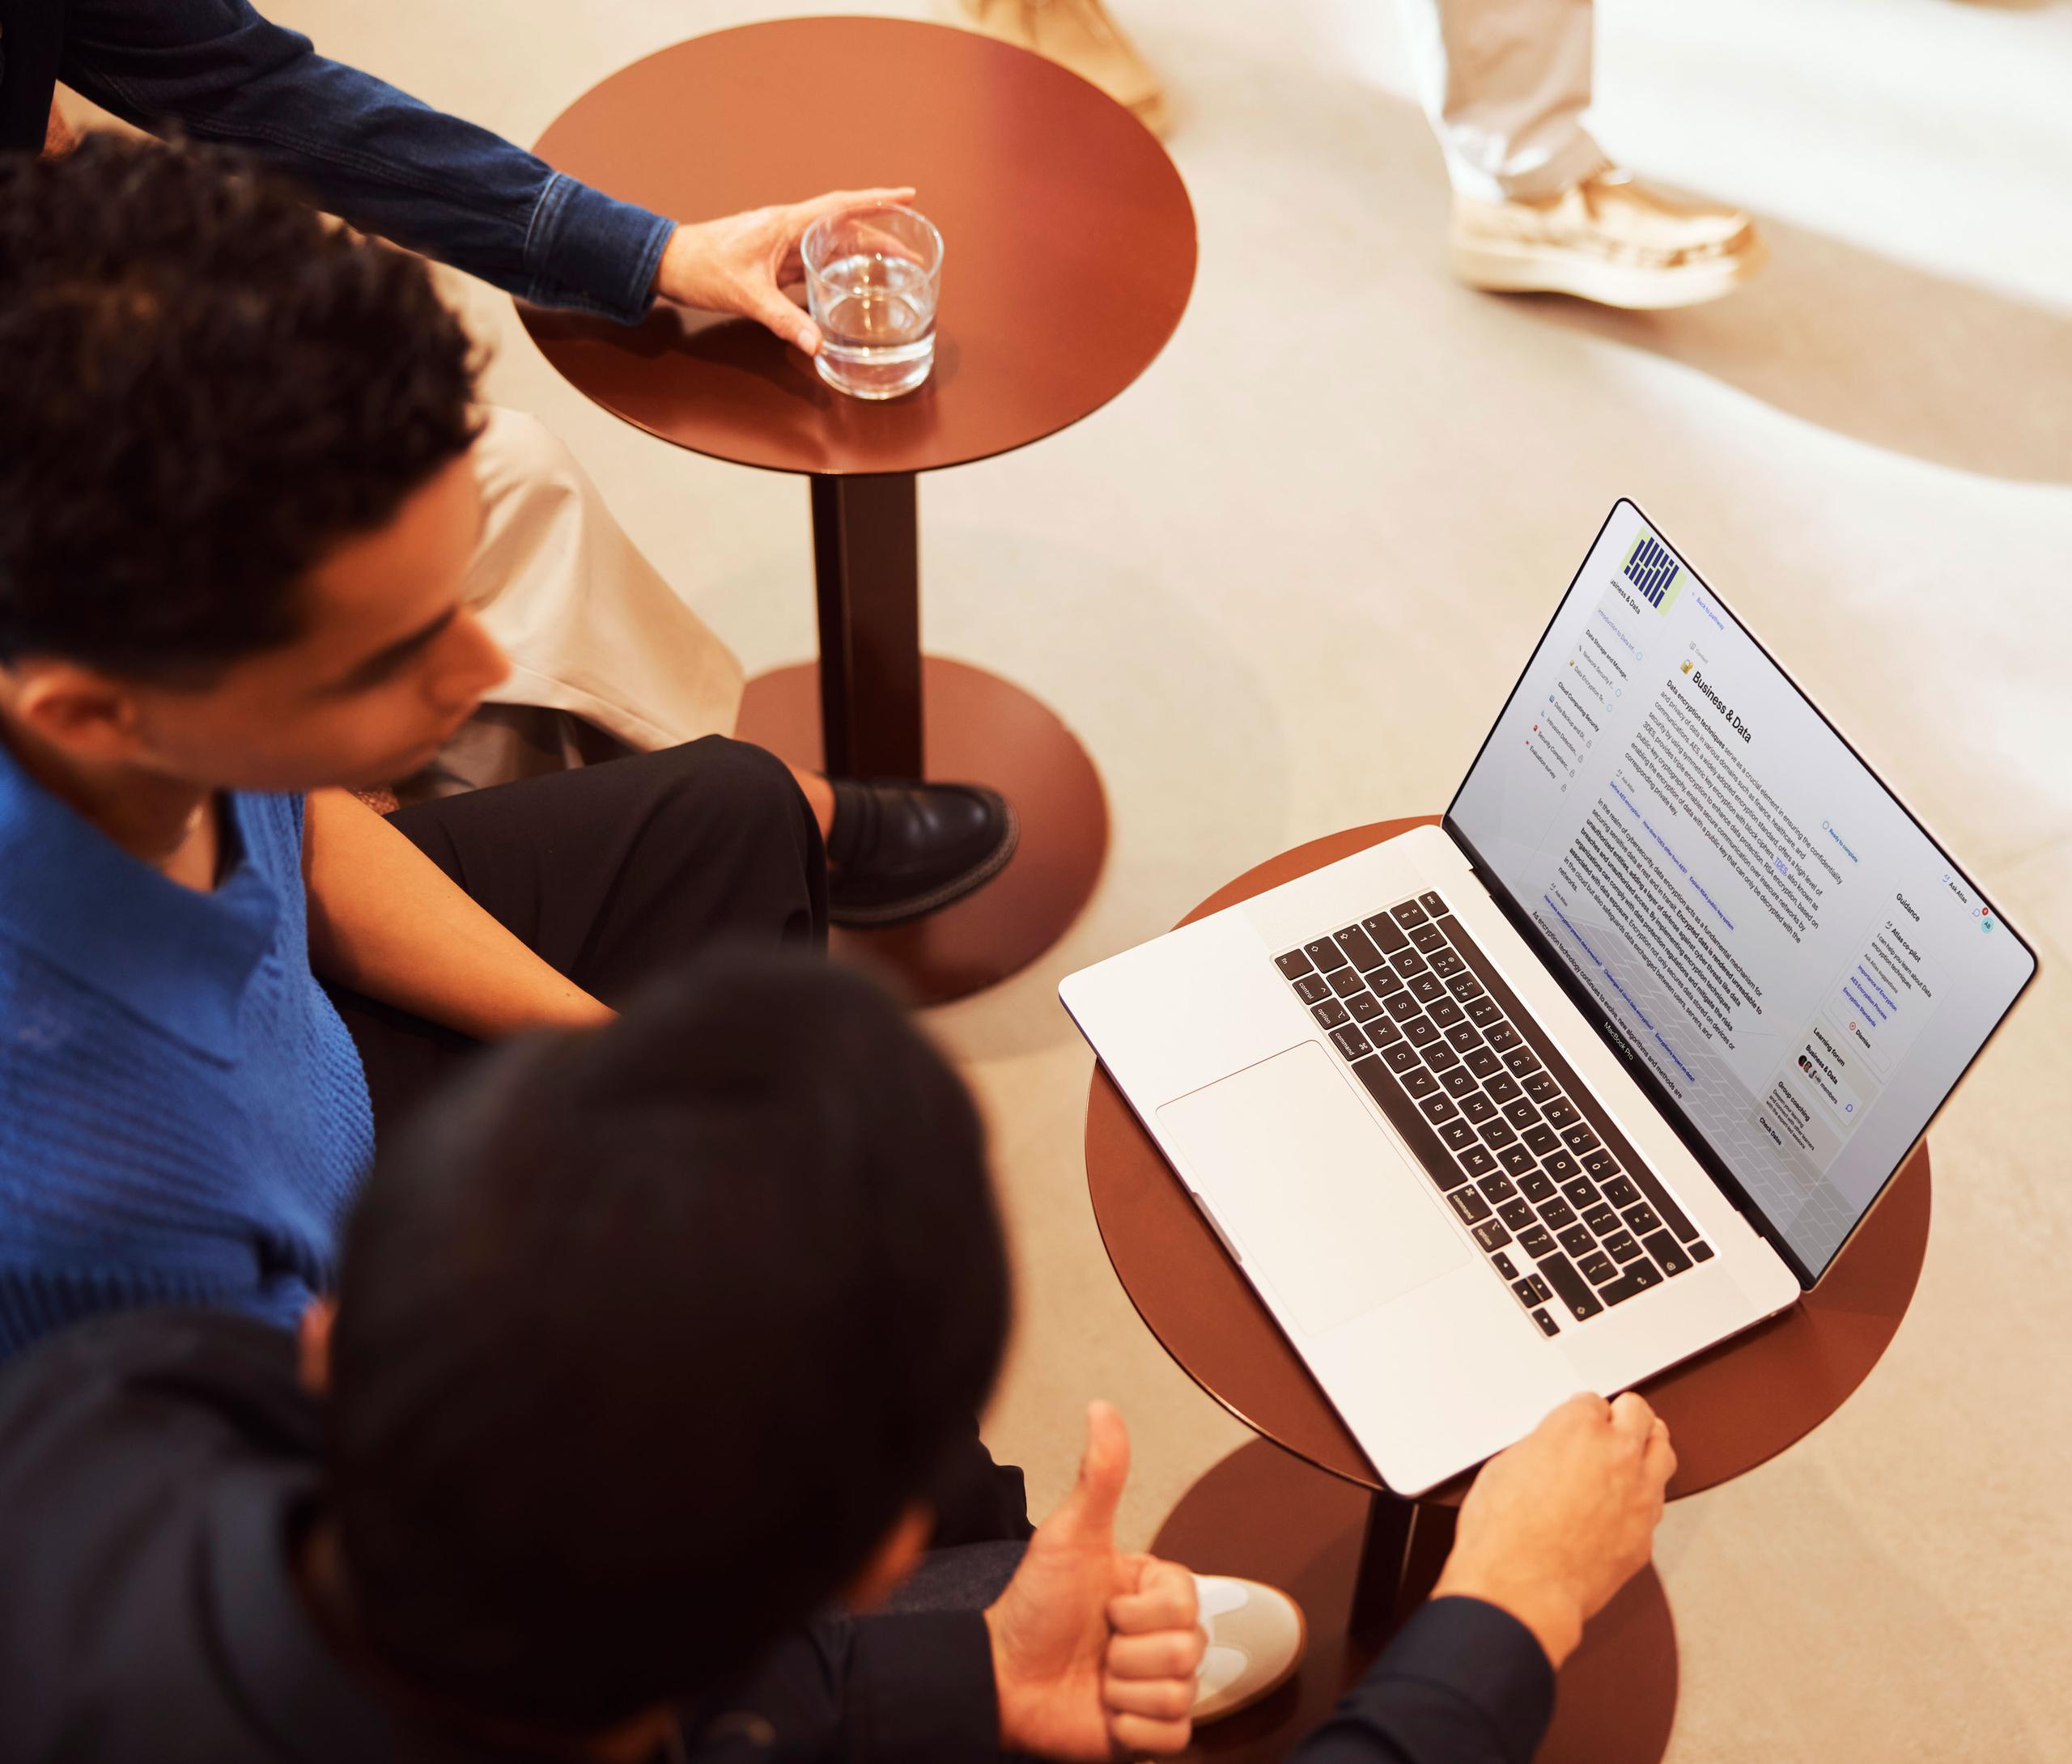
1567 1216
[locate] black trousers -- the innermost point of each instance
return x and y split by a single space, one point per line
609 873
615 872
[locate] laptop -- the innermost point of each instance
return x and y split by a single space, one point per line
1602 1070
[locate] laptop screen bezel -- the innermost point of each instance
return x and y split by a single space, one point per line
1611 1034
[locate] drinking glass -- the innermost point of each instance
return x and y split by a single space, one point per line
873 275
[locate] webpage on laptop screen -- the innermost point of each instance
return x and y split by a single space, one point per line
1756 916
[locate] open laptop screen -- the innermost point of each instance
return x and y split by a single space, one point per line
1763 928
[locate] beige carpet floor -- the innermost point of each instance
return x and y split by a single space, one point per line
1281 586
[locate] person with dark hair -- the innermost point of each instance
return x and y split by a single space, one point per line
741 1243
236 509
650 1343
652 1346
606 657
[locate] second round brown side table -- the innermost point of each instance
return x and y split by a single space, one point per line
1301 1508
1069 257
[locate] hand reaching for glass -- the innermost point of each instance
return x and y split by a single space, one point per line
742 263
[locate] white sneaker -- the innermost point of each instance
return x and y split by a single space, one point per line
1608 239
1256 1637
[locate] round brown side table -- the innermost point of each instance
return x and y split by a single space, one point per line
1301 1508
1069 257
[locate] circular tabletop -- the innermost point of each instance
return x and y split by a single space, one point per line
1069 239
1729 1410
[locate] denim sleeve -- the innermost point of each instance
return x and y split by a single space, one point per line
218 71
1462 1683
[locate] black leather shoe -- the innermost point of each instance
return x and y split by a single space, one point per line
897 851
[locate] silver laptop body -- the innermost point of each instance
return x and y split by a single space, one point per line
1603 1070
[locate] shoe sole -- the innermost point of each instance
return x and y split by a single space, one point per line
1507 268
1259 1693
944 894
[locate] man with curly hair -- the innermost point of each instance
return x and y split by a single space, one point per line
606 658
237 509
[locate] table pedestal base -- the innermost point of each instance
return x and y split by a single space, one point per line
979 729
1265 1515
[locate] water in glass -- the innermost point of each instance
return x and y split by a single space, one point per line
871 280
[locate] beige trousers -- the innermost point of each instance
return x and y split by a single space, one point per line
605 656
1505 83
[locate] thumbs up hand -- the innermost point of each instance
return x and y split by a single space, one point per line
1061 1695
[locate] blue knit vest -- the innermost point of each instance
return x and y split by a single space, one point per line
184 1119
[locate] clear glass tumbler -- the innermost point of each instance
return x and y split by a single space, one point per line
873 275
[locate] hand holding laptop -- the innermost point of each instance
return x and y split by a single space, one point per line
1555 1525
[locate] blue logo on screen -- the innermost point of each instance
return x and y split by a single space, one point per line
1652 569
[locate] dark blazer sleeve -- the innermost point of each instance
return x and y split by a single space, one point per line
32 38
879 1690
1462 1683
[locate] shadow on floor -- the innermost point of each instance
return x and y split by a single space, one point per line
1894 356
1899 358
1196 777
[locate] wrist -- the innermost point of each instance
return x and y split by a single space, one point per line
1554 1618
670 266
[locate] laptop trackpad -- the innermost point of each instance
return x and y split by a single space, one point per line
1323 1207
